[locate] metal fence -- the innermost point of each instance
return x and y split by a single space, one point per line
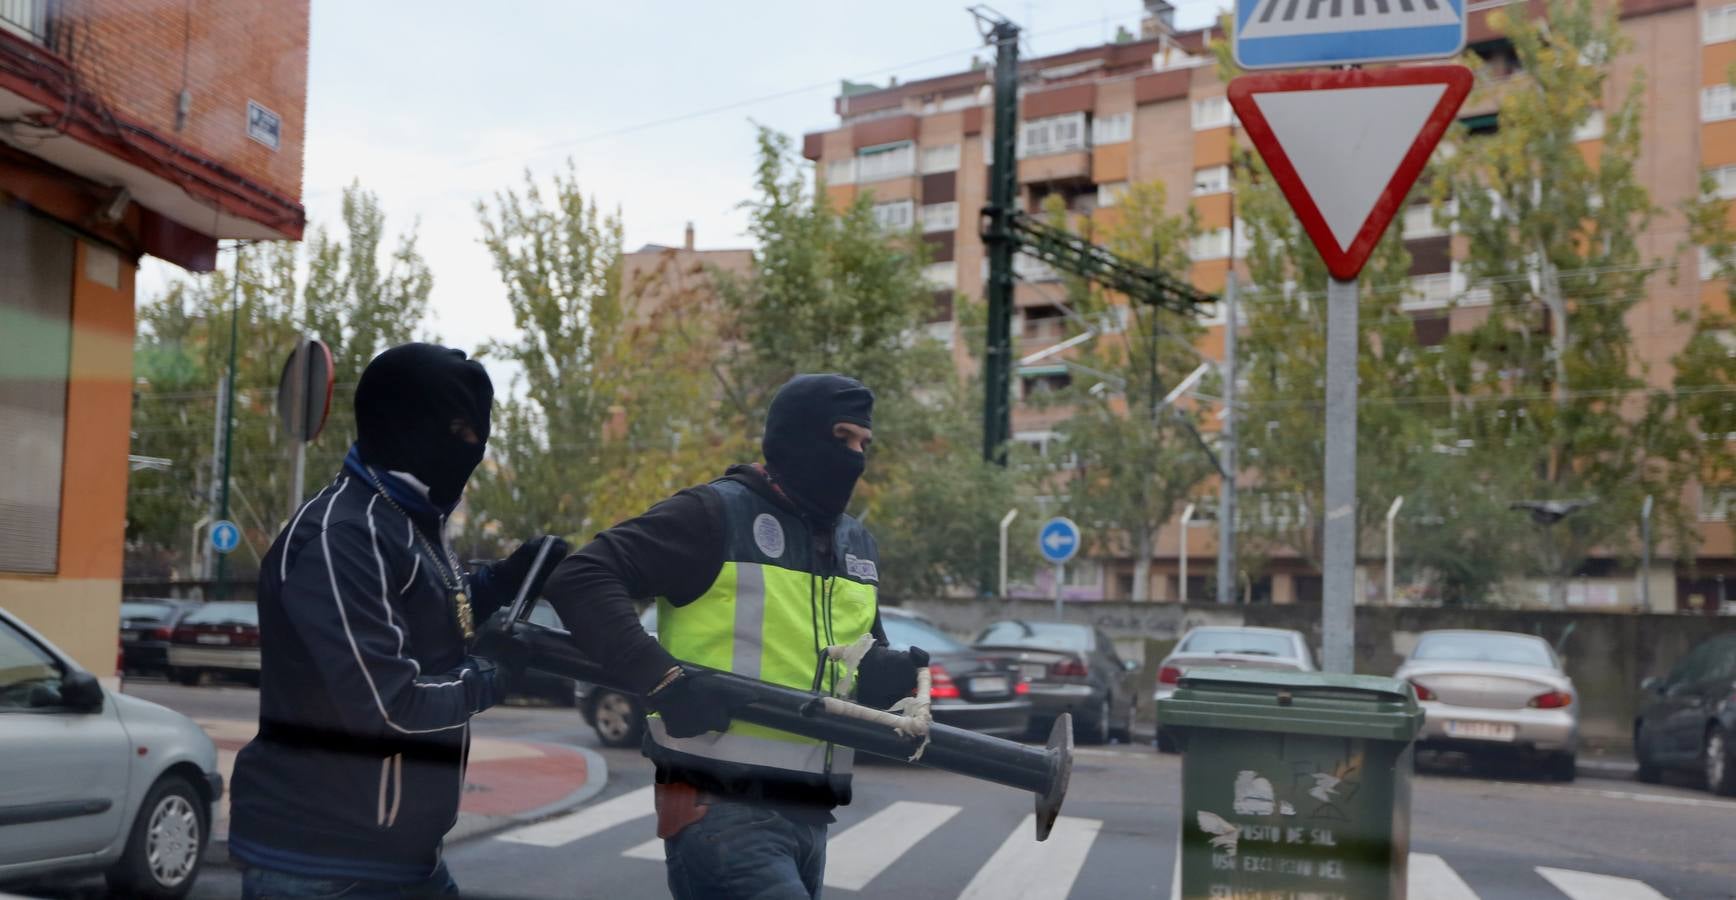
27 18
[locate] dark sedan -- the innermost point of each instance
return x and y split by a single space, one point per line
1071 668
146 628
1687 719
970 689
217 638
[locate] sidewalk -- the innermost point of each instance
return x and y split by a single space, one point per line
508 782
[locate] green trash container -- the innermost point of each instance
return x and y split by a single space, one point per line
1295 785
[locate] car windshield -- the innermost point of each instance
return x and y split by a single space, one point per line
1046 635
1254 643
543 614
903 634
226 613
1516 649
137 610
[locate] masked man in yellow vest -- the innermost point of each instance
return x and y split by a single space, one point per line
756 573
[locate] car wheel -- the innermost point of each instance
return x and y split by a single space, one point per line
1094 730
188 677
1720 758
1563 767
617 719
1644 770
166 843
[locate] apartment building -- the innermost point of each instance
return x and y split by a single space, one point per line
127 128
1096 119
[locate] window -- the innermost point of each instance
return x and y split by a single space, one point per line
1715 503
895 215
1419 222
1717 103
1464 646
1039 380
1718 24
1083 573
903 633
1239 640
1053 134
885 161
1211 112
940 331
940 159
1110 193
940 216
1591 129
29 677
1214 244
26 18
1116 129
941 275
36 263
1724 182
962 101
1213 180
1029 268
841 171
1053 635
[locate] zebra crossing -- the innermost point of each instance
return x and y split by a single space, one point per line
868 847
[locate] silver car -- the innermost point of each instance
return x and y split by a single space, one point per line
1495 692
1234 647
96 781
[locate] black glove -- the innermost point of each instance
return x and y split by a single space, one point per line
516 568
886 676
509 653
694 703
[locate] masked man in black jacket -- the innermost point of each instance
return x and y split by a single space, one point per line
367 685
756 573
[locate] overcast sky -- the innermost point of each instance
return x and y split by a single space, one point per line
436 104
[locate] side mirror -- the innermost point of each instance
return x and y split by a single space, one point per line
80 691
1651 685
1130 665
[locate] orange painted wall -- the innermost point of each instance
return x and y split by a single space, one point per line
1212 148
1214 211
93 500
1718 143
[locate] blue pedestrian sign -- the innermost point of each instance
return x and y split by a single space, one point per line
1058 540
224 536
1282 34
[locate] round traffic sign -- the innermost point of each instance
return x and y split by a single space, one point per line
224 536
1058 540
304 393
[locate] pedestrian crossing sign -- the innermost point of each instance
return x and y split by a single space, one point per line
1282 34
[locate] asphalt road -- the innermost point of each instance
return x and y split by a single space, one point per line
929 834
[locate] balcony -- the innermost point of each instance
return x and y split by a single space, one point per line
26 18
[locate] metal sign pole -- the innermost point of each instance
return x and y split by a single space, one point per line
1060 575
1338 604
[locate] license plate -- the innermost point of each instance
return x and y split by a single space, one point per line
1033 672
1482 731
996 684
128 637
212 639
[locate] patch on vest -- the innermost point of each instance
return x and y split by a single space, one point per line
861 568
768 535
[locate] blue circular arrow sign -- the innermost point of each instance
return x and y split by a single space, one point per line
224 536
1058 540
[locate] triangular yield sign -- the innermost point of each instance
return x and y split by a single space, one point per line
1346 146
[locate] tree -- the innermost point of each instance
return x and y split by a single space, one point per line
1547 385
1129 461
181 354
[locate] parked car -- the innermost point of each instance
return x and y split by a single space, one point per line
535 684
617 717
221 637
146 628
1071 668
1495 692
969 689
1231 647
1687 719
96 781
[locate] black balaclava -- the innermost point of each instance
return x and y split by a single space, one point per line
815 468
408 402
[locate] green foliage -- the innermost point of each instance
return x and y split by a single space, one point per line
182 352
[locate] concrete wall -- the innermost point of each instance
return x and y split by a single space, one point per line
1607 654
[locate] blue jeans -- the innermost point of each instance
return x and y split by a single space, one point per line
270 884
741 851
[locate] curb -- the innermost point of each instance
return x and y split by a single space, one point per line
473 826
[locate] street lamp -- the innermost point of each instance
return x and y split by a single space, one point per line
1548 513
1006 522
1186 516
